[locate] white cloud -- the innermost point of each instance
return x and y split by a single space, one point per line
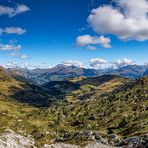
93 40
102 63
128 20
98 63
123 62
86 40
73 63
13 30
21 9
10 47
11 64
14 64
20 56
10 11
24 56
105 42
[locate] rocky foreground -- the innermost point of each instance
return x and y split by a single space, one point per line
10 139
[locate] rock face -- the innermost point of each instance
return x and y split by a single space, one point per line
10 139
89 145
135 142
61 145
97 145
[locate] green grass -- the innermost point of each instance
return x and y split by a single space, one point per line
117 106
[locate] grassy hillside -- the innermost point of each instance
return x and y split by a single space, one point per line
122 112
104 106
82 88
22 92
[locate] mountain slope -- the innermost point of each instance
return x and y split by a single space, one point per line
57 73
123 112
129 71
62 72
81 88
108 110
22 92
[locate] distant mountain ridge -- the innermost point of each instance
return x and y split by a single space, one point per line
130 71
57 73
61 72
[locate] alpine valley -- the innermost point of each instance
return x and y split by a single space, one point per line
71 107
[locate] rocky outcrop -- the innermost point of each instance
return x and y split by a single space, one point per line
61 145
97 145
10 139
89 145
88 135
135 142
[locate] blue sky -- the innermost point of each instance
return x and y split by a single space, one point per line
51 30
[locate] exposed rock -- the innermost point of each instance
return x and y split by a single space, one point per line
61 145
10 139
87 135
89 145
114 139
135 142
97 145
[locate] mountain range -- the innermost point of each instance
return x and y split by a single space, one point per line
62 72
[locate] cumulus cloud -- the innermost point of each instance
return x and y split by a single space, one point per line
123 62
13 30
98 63
105 42
10 11
93 40
10 47
128 19
73 63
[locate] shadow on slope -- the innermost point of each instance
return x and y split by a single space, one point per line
32 95
60 87
96 81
